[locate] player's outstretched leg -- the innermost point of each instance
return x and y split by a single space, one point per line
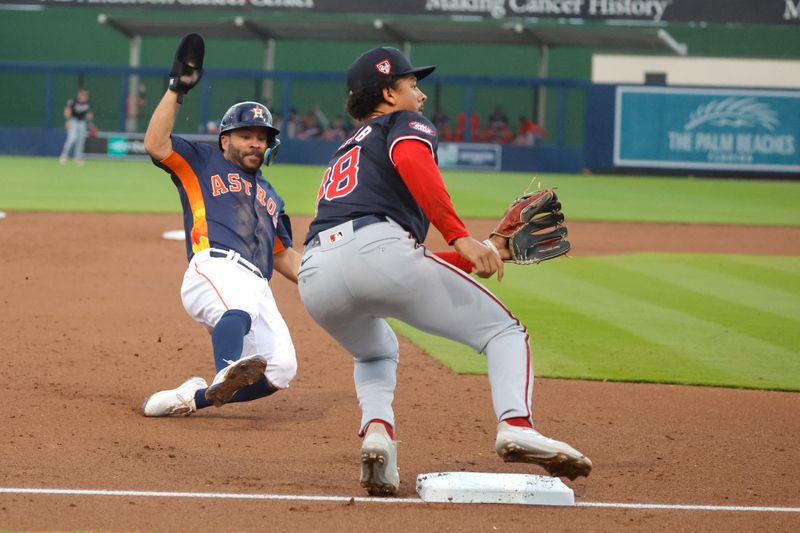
517 444
379 474
178 401
237 375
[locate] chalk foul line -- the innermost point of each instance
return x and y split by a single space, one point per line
345 499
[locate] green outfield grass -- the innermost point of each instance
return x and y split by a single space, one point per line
31 183
694 319
666 318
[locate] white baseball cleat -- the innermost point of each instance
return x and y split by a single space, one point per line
178 401
236 375
379 474
526 445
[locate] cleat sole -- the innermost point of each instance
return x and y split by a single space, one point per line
240 375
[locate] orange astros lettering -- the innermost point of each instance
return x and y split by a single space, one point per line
217 186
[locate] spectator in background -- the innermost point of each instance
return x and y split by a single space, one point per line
289 129
461 122
212 127
136 102
497 130
337 130
498 119
442 123
77 116
529 132
322 120
439 119
309 127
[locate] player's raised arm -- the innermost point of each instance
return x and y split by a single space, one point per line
157 140
187 69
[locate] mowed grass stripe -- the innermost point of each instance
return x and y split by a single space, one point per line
590 290
596 292
743 325
767 314
570 344
774 275
726 278
782 273
138 186
664 199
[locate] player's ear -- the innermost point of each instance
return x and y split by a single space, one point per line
388 95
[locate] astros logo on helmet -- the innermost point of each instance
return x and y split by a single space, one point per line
247 115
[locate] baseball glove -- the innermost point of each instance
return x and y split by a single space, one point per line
187 68
534 226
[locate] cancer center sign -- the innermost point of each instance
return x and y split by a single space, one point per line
710 129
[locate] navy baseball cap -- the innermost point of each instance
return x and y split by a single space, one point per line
380 63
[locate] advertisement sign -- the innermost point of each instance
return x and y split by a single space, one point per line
122 145
711 129
469 156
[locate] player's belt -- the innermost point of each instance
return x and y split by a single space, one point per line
358 223
234 256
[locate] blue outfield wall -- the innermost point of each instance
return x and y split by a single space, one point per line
510 158
31 141
598 142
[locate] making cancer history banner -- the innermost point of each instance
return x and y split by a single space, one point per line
654 11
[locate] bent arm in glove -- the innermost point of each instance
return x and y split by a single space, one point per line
532 230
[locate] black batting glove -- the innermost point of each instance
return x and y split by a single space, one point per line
187 69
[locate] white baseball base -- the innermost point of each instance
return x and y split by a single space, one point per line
2 214
475 487
174 235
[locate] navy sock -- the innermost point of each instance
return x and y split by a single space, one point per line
200 399
228 337
259 389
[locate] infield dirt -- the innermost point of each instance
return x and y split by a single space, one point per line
92 323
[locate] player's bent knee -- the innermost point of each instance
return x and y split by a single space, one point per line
511 331
282 370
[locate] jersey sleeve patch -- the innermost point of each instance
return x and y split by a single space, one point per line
409 125
422 127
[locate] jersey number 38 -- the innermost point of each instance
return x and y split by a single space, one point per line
341 178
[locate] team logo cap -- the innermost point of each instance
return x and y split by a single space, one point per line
379 63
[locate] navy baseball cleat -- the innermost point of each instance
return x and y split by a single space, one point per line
179 401
236 375
526 445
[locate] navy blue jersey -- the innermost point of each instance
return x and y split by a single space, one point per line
225 207
361 178
78 109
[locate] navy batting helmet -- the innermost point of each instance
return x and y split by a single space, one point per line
248 115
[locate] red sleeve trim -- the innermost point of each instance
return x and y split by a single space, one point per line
405 138
453 257
416 166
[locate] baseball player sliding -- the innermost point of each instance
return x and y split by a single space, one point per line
363 261
236 234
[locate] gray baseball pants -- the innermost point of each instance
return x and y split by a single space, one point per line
352 280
